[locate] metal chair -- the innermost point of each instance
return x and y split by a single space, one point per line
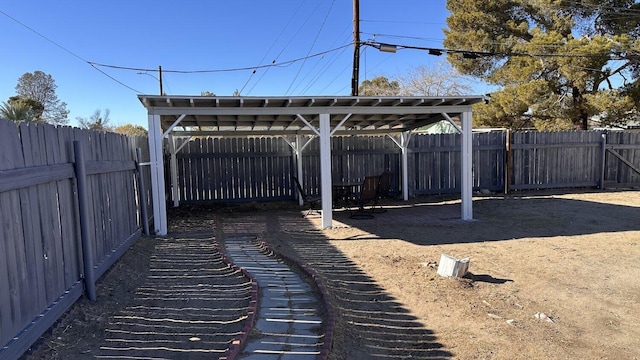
311 200
367 194
384 187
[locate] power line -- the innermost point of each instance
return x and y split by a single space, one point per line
401 36
282 64
269 50
322 66
329 64
288 43
312 45
68 51
472 54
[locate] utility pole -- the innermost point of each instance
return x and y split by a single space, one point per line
356 48
160 79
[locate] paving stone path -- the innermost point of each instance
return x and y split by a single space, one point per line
289 324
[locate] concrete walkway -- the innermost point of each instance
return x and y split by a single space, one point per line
289 322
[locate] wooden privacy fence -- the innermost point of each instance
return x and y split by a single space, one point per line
258 169
573 159
71 202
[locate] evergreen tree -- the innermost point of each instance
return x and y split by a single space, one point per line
379 86
555 60
130 130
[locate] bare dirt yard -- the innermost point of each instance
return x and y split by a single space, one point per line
553 275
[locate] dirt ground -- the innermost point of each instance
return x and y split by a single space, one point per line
553 275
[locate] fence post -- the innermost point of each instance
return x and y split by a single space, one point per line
507 167
85 234
604 158
142 193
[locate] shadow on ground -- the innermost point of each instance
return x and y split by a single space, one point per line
494 218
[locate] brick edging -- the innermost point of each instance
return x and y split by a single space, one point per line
330 323
239 341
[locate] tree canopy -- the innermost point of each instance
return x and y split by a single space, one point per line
439 79
379 85
40 87
130 130
558 62
97 121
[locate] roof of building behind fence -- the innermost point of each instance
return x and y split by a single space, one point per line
233 115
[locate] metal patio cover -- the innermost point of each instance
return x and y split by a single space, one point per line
323 116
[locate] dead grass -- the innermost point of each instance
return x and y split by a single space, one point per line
569 256
572 256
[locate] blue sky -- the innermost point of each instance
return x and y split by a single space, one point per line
207 35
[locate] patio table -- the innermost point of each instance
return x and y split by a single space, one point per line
343 191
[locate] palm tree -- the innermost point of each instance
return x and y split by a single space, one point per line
16 111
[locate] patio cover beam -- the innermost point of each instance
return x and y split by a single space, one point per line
332 110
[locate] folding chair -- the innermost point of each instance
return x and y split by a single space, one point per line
367 194
312 201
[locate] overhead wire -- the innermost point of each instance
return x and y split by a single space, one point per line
375 35
302 25
284 48
95 65
330 60
312 45
318 66
68 51
330 63
269 50
338 75
473 53
204 71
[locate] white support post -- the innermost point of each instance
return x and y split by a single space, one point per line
298 151
404 145
325 170
467 167
157 175
174 170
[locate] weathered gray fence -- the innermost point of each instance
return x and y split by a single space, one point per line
574 159
46 256
255 169
622 162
